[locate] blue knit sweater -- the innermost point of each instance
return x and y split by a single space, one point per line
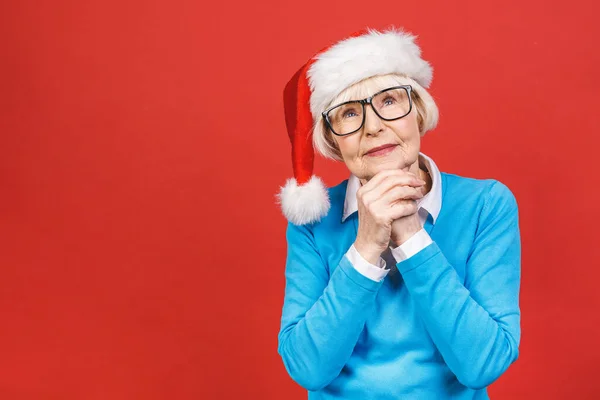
443 324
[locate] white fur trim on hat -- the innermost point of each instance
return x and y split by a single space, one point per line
306 203
357 58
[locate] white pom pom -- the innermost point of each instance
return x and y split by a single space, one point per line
306 203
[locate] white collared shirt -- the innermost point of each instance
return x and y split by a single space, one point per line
430 204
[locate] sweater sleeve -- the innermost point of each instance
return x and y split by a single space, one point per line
322 315
476 326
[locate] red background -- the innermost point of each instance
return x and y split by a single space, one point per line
141 146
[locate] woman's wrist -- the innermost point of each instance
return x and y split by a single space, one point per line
369 253
405 228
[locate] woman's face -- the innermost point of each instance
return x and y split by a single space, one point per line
403 134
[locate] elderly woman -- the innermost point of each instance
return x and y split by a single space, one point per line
401 281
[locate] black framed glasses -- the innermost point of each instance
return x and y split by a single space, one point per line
389 104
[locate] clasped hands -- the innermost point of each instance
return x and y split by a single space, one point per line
387 212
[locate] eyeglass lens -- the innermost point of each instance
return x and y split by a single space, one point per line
390 104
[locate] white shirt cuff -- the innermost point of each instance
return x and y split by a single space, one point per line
412 246
373 272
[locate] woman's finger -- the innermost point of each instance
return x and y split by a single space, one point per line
381 178
401 209
390 182
399 193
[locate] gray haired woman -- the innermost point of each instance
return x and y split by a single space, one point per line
401 281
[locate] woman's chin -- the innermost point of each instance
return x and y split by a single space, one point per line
388 165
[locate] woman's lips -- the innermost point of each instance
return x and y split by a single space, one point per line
382 152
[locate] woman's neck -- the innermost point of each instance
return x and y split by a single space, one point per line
426 176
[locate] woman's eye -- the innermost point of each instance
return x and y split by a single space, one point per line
389 101
349 114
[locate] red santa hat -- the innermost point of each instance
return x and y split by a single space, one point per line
304 199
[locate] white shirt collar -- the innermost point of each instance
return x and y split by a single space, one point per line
431 202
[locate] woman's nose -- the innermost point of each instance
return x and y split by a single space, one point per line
372 121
